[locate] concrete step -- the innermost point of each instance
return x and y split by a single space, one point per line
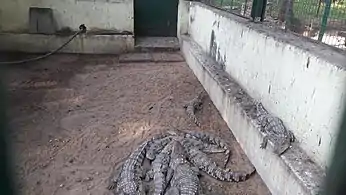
291 173
146 44
151 57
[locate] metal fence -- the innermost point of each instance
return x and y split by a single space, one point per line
238 7
322 20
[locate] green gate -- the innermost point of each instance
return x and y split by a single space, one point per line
156 18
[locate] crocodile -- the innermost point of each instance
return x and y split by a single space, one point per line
159 170
185 177
194 105
209 138
203 162
156 146
274 129
128 181
202 146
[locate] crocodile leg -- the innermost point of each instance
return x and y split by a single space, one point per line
149 175
169 175
114 179
264 142
291 135
213 150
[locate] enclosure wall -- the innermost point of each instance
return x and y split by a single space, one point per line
297 80
96 14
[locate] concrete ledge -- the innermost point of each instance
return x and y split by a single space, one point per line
86 44
291 173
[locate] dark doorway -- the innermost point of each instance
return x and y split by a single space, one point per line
156 18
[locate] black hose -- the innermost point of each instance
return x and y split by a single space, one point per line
82 29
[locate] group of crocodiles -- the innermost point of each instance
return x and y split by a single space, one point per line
177 157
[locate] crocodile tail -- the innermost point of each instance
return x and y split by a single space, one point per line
219 174
227 157
196 121
190 112
239 176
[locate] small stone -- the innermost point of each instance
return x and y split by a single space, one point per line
209 188
61 185
78 180
88 179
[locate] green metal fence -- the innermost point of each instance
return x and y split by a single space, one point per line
238 7
322 20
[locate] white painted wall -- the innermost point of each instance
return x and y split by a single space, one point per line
99 14
301 82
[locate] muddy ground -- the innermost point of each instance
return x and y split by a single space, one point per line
74 118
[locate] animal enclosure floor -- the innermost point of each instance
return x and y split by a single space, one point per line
73 118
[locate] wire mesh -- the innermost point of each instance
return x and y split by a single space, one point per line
238 7
322 20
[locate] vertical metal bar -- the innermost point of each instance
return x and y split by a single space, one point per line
245 7
324 19
288 13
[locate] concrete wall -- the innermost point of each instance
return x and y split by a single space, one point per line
299 81
105 16
86 44
95 14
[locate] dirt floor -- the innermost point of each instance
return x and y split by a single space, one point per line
74 118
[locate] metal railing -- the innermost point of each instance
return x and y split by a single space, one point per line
321 20
238 7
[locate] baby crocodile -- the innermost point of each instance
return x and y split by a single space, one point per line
159 169
203 162
128 182
194 105
156 146
185 179
209 138
275 131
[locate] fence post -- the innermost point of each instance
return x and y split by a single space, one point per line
324 19
245 7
